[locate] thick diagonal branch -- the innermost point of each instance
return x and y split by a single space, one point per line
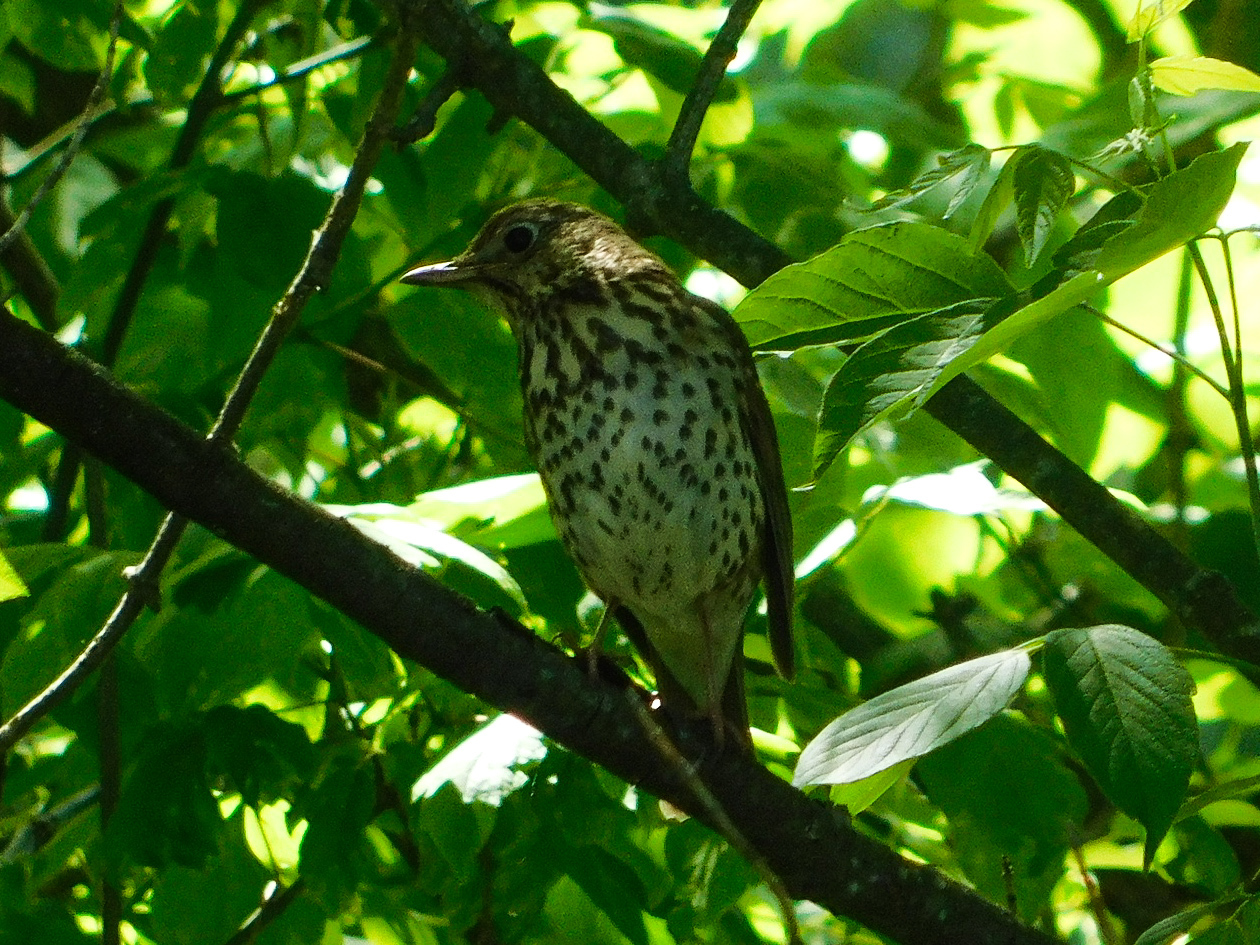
810 846
514 84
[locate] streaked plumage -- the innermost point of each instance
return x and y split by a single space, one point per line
650 430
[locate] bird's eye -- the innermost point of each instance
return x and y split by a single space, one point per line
520 237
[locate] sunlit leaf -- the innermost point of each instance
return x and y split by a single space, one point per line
856 796
1178 208
503 512
909 721
11 585
418 542
1125 705
1185 75
1150 14
1167 930
486 766
872 279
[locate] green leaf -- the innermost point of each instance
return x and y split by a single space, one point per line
613 887
1186 75
658 52
1178 208
424 545
61 619
911 720
486 766
995 201
872 279
188 907
968 163
181 49
1148 14
60 33
1014 806
338 808
503 512
903 366
456 830
1125 705
1043 183
166 813
257 753
859 795
11 585
1166 930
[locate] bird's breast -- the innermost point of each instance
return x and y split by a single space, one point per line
647 467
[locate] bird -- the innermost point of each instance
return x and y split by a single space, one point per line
655 444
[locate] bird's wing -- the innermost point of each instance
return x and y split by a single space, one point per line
778 565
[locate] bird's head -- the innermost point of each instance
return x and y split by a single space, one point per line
537 250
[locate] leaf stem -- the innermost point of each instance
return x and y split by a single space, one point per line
1231 353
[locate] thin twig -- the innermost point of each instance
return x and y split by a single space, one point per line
1237 392
713 809
268 912
35 155
203 104
424 119
204 101
1180 431
31 274
80 132
682 140
1173 353
304 67
314 274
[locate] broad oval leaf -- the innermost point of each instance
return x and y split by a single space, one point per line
903 365
1178 208
1186 75
1125 705
911 720
872 279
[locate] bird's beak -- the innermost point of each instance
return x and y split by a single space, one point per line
443 273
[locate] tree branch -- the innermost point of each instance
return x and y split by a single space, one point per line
314 274
812 847
512 83
682 140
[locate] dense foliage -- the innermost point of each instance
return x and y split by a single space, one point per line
1010 375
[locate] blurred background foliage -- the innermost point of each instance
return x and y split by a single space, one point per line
282 771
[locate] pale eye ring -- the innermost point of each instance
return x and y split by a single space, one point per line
519 237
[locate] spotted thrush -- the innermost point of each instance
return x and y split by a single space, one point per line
647 422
